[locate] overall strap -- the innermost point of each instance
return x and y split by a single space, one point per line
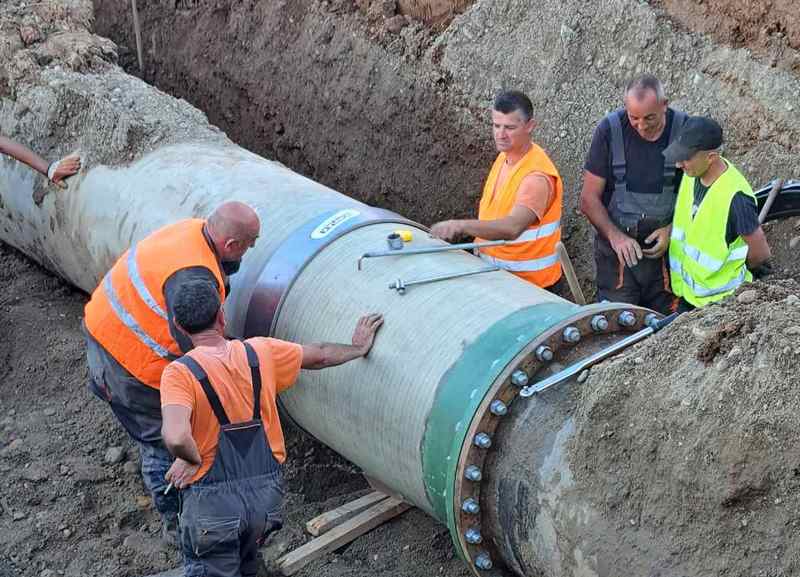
618 162
678 118
255 376
211 394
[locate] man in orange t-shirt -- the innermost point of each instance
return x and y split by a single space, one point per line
521 200
220 421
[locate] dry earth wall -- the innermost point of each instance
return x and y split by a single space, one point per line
396 114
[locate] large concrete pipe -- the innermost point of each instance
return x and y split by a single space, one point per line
436 397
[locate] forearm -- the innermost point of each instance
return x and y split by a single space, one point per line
323 355
490 229
183 447
757 258
23 154
758 249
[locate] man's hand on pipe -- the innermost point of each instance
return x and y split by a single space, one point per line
366 328
447 229
61 169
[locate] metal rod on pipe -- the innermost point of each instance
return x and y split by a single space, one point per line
432 249
600 355
401 286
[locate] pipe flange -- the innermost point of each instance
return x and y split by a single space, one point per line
477 547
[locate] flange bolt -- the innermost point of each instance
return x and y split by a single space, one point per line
599 323
473 536
482 440
471 506
483 562
571 335
544 353
650 320
626 319
519 378
498 408
473 473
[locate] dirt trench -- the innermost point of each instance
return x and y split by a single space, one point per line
385 112
392 110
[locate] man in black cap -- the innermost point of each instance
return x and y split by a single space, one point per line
716 238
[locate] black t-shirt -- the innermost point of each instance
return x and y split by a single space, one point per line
742 217
644 160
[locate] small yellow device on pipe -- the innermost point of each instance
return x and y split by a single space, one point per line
404 234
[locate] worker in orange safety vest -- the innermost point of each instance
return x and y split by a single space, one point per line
521 200
130 330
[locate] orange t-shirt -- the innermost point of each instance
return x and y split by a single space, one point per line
229 375
533 201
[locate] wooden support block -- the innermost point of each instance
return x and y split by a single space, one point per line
341 535
330 519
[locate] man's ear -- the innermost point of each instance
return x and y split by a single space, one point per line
530 125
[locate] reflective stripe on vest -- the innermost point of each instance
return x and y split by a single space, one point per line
521 265
141 288
701 290
704 260
127 319
538 232
128 315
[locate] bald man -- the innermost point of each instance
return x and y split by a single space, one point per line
131 334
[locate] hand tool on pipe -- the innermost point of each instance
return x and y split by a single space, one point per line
600 355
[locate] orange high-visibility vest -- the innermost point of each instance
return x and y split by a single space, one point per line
532 256
127 313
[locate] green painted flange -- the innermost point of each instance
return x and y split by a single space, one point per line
462 390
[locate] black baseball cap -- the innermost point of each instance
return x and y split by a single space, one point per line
698 133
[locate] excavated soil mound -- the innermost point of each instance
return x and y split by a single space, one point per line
691 438
768 27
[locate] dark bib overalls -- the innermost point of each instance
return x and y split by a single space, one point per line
637 214
227 514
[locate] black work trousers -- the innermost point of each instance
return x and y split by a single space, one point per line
646 284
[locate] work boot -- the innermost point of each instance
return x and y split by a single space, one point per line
170 535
